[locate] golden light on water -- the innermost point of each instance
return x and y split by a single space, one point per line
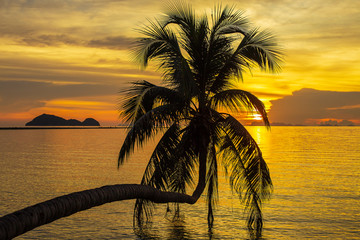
307 174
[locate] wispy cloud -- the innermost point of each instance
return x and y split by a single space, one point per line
117 42
50 40
19 96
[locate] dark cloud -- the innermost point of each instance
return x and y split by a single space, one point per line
117 42
55 4
314 104
17 96
45 40
45 70
50 40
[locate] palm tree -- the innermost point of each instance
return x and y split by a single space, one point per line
199 60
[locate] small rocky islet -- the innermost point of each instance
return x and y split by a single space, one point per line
52 120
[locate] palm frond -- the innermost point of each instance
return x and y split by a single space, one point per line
223 61
248 173
170 168
186 157
260 48
158 41
257 48
233 99
162 44
230 67
147 126
160 166
227 20
183 15
133 104
142 97
194 32
158 171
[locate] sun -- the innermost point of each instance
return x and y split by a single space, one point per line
257 117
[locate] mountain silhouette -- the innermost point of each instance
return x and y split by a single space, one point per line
52 120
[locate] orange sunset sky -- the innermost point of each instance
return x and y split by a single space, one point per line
71 57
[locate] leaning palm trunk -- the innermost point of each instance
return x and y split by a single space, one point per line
24 220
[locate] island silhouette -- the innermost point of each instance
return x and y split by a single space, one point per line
52 120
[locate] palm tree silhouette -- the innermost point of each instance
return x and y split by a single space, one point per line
199 57
199 60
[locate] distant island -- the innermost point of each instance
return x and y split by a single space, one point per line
52 120
337 123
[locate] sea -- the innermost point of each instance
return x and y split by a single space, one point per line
315 173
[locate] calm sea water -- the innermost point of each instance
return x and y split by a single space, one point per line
315 171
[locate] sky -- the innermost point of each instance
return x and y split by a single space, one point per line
71 57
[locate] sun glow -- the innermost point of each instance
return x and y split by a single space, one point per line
257 117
